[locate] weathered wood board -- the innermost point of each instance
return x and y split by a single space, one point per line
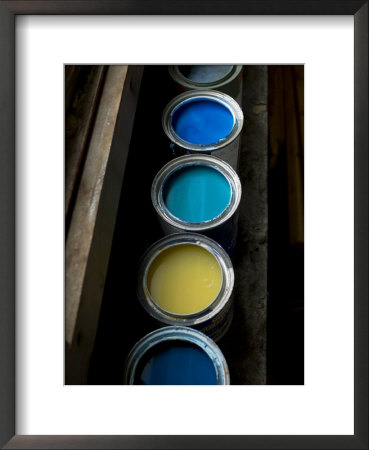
92 223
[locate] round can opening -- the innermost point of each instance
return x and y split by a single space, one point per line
196 193
184 279
202 121
205 74
175 362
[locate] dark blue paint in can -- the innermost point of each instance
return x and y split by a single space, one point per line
176 356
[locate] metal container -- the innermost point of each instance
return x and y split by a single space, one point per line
227 79
169 336
213 320
226 148
223 227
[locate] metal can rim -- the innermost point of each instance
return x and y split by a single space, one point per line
225 99
187 160
176 333
178 77
199 317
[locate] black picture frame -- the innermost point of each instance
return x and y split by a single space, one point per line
8 11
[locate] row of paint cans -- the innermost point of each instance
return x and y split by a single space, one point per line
200 194
204 122
223 78
176 355
187 279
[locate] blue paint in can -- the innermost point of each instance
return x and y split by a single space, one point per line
176 363
202 121
196 193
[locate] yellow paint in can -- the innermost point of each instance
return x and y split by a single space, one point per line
184 279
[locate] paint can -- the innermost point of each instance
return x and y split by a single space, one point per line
223 78
204 122
176 356
198 194
187 279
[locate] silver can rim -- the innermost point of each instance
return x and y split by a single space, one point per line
179 78
223 297
176 333
188 160
212 95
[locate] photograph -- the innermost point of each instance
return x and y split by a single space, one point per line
184 224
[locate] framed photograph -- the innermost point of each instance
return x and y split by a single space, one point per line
42 404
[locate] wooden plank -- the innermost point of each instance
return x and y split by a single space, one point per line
299 83
286 135
93 220
78 124
276 113
294 162
71 79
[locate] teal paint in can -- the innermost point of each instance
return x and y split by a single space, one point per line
196 193
199 194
